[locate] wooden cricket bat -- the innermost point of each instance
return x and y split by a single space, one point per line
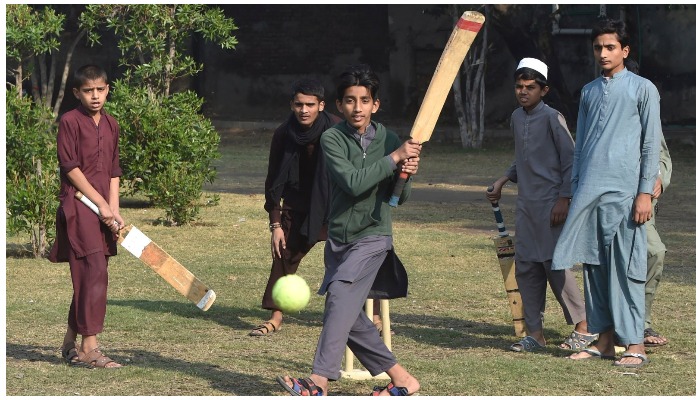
456 49
505 250
143 248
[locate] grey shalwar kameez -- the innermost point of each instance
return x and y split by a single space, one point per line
616 157
544 153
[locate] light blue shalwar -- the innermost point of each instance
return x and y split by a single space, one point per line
616 156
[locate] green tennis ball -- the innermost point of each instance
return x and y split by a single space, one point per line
291 293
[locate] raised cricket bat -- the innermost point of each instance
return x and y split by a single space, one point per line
451 59
505 250
138 244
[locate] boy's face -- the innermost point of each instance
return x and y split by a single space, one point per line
306 109
358 106
92 95
609 53
529 93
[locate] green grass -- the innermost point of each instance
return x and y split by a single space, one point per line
452 331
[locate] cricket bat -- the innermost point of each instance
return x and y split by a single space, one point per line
143 248
505 250
451 59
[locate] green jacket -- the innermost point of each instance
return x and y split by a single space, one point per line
361 185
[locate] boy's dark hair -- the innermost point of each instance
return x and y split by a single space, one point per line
88 73
529 74
632 66
309 87
358 75
615 26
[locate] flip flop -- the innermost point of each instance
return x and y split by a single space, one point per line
595 355
393 390
640 356
649 332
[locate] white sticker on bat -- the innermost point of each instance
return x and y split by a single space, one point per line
205 299
135 241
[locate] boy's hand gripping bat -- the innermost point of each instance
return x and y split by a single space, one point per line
452 57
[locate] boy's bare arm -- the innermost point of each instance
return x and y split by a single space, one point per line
114 200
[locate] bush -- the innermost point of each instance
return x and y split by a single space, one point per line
166 148
31 171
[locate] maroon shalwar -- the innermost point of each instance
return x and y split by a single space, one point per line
81 238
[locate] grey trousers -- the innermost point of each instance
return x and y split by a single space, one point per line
656 253
532 278
344 322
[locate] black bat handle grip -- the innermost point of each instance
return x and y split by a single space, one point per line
499 217
398 188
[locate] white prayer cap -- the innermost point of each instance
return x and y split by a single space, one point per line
535 64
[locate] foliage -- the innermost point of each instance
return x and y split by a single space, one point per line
166 148
153 38
30 32
31 172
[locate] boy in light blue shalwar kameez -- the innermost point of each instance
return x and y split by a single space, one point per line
616 160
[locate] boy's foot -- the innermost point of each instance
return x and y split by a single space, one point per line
653 338
410 389
591 353
632 360
265 328
95 359
69 352
527 344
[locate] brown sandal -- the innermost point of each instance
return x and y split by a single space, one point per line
69 352
94 358
264 329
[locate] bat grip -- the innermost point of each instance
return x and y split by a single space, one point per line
398 188
499 216
83 199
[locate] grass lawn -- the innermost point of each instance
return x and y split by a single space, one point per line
452 332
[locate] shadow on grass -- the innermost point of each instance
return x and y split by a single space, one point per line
439 331
227 381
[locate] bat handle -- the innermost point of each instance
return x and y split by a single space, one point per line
499 217
398 188
83 199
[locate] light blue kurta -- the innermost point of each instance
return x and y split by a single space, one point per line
616 156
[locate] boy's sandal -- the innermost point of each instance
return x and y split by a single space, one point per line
658 339
300 386
95 358
594 355
578 341
69 352
263 329
527 344
642 357
393 390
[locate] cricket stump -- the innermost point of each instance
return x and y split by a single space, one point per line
350 371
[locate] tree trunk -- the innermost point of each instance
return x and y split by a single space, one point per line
515 24
66 68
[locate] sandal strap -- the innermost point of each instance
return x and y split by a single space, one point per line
302 384
266 327
392 389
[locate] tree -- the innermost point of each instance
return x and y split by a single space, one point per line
31 172
31 177
166 145
153 38
469 103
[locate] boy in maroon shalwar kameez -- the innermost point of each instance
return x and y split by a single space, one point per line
88 156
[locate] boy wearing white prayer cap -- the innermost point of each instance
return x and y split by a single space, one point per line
544 152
